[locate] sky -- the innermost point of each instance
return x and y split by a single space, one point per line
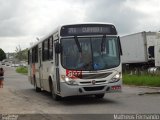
22 21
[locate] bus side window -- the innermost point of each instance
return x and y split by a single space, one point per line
29 57
35 54
54 54
51 48
45 50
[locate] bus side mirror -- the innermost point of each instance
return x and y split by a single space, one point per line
58 48
120 47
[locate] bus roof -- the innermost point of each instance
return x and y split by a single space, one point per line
60 26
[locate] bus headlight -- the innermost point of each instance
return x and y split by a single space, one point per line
116 78
69 81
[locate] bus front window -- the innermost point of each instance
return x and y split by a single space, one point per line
97 53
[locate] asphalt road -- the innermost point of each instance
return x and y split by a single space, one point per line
19 97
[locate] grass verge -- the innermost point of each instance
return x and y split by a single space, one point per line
22 70
142 80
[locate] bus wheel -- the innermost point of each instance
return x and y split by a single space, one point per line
36 88
99 95
54 95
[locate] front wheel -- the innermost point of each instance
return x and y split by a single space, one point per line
99 96
54 95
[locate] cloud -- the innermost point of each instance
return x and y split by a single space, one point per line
26 17
37 17
21 19
129 16
149 18
29 19
9 44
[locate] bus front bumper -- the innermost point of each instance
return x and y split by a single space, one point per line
76 90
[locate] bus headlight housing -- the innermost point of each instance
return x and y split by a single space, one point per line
116 78
69 81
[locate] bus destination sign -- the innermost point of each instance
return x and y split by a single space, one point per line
77 30
88 30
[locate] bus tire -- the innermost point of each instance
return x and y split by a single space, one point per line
54 95
99 96
36 88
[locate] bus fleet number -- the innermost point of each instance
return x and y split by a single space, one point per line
73 74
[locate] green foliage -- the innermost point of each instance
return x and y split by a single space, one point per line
2 55
21 55
22 70
142 80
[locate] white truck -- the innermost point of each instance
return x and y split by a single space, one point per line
157 51
138 48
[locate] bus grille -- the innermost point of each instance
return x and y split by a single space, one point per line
88 82
95 76
93 88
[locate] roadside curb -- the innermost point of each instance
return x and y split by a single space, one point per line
143 93
143 87
149 87
154 90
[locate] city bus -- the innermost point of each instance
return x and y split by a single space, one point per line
77 59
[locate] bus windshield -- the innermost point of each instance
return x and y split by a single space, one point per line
90 53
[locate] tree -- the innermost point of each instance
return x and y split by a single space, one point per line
21 54
2 55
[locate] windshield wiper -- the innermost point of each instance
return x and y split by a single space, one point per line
78 45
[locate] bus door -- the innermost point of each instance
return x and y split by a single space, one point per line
40 68
56 69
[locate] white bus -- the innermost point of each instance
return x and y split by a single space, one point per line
77 59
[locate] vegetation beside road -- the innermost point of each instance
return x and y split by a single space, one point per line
142 80
2 55
138 80
22 70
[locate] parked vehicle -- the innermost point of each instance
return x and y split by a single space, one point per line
157 51
138 49
7 64
2 63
